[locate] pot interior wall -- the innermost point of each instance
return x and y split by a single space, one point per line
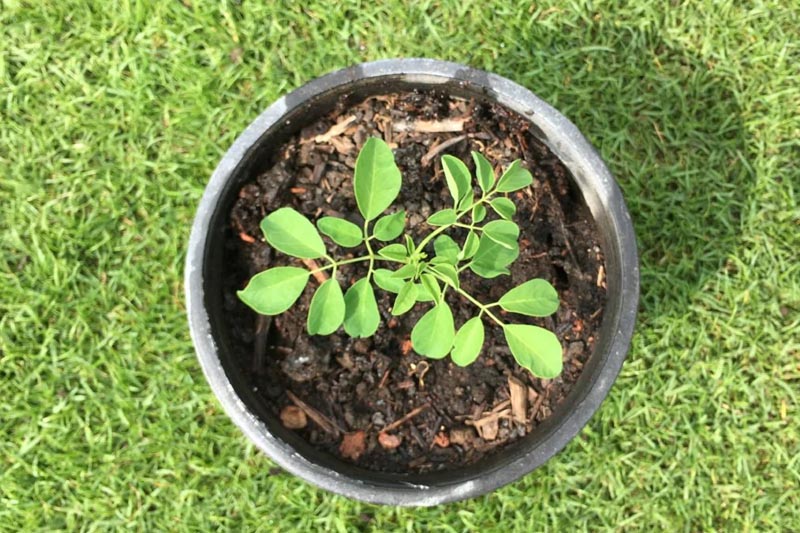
300 113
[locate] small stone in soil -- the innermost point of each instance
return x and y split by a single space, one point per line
353 445
389 441
292 417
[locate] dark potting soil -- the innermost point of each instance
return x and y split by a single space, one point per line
374 402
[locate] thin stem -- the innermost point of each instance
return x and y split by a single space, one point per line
440 229
483 308
369 249
467 226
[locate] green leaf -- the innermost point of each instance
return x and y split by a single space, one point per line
514 178
406 271
275 290
342 232
410 246
478 213
533 298
432 286
377 179
466 201
535 349
406 299
457 176
433 335
290 232
361 317
386 280
389 227
491 259
504 207
446 248
326 312
503 232
442 218
468 342
423 295
470 246
448 271
394 251
484 171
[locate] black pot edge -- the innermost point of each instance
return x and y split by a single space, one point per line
589 170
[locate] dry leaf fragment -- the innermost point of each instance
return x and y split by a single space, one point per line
353 445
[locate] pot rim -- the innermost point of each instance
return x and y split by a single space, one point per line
590 173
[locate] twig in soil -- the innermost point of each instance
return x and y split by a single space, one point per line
435 150
601 276
384 379
334 131
263 323
319 275
538 405
246 238
488 425
519 399
322 421
411 414
431 126
560 216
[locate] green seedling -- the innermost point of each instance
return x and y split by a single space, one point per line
417 272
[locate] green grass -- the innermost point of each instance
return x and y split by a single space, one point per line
113 118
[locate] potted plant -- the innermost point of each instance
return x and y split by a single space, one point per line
437 282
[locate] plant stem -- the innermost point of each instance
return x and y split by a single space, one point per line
369 250
482 307
467 226
440 229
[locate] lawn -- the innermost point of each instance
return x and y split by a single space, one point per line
114 116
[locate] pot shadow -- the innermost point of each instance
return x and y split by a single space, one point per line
669 128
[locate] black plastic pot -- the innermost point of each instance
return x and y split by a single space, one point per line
204 294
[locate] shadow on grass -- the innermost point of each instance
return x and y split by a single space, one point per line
670 130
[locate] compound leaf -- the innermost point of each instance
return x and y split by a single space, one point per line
406 298
361 317
503 232
397 252
504 207
442 218
446 248
389 227
535 297
491 259
457 176
535 349
386 280
484 171
431 286
433 335
342 232
447 271
275 290
468 342
470 246
290 232
377 179
514 178
326 312
478 213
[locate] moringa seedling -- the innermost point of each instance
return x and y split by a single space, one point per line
413 273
